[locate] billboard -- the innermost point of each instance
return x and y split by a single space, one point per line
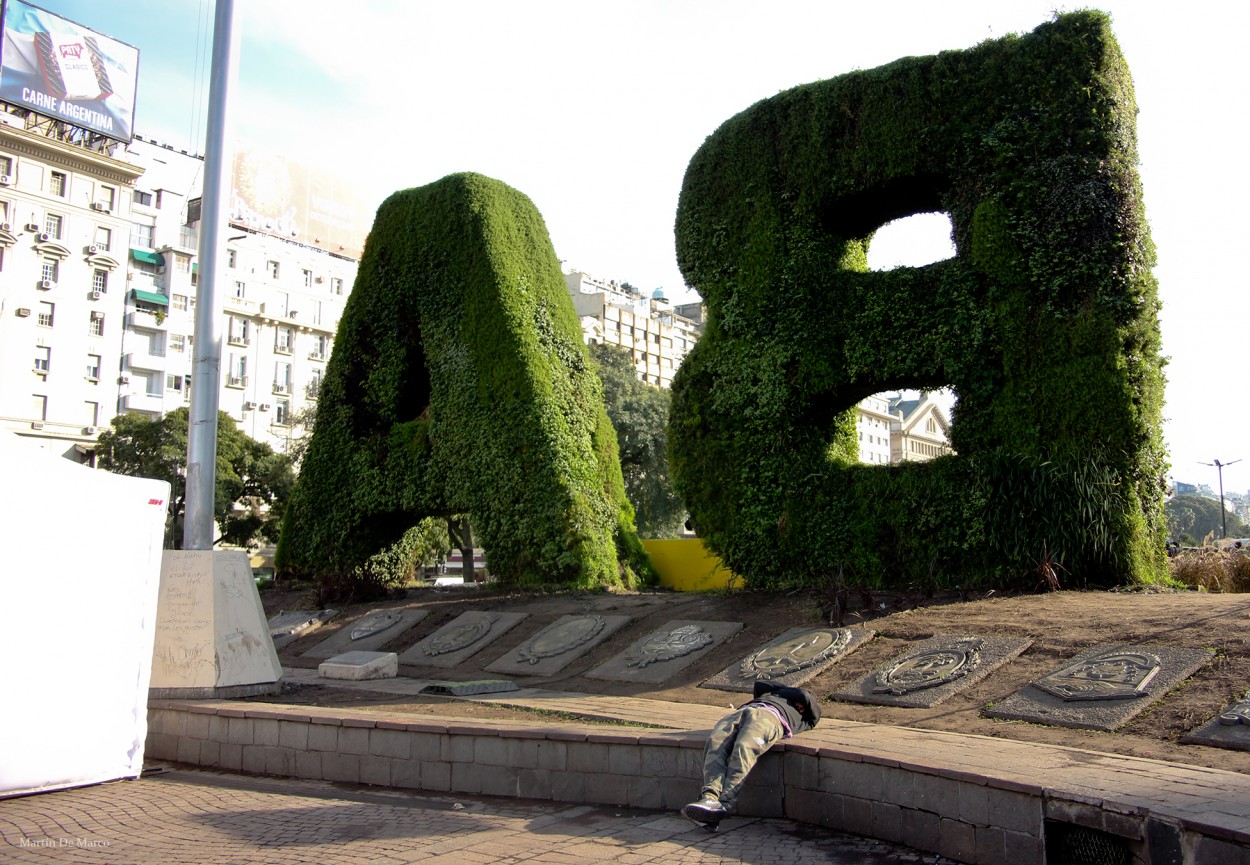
65 71
296 200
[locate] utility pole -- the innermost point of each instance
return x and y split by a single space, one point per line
197 533
1219 466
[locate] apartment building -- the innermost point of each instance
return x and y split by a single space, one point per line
919 429
99 267
649 328
873 427
64 226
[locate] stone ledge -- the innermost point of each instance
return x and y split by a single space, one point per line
985 818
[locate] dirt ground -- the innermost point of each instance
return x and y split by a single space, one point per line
1060 625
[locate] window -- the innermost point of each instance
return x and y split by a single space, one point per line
57 184
284 303
314 384
95 326
155 384
156 344
104 238
239 331
43 358
52 225
182 263
179 302
93 367
91 413
317 314
39 406
336 285
232 258
238 371
308 279
144 198
282 412
107 196
284 340
282 377
320 345
46 311
100 280
6 166
173 382
141 235
272 268
50 269
240 289
177 343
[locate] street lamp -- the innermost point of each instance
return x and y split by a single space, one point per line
1219 466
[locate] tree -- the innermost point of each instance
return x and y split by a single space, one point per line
640 415
253 482
1199 516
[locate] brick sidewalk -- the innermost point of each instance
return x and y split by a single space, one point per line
197 818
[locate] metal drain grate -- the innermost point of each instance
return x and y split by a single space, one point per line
1068 844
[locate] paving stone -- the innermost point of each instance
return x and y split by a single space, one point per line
557 645
1098 669
460 639
341 640
932 671
791 659
663 653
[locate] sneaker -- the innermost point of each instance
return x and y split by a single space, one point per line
707 811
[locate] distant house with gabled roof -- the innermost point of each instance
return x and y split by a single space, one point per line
919 429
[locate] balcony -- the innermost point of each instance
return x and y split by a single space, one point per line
145 402
238 381
250 307
146 321
284 349
313 389
316 355
145 360
281 387
239 339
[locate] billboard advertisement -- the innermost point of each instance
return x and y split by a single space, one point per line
65 71
297 201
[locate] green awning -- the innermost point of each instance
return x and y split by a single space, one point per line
195 267
148 257
151 297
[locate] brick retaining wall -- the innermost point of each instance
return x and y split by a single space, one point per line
964 816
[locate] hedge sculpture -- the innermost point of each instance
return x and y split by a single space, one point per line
1044 323
459 383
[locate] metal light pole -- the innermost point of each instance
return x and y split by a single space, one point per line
197 532
1219 466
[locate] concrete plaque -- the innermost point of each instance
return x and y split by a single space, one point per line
358 666
933 671
460 639
1229 729
665 652
555 646
1117 682
367 633
791 659
287 627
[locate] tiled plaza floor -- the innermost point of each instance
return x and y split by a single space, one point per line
185 816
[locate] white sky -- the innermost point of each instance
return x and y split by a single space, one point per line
593 109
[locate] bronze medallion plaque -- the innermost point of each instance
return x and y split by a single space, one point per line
375 624
929 669
1116 675
560 638
794 652
667 646
460 634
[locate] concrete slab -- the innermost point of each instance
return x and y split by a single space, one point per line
932 671
460 639
1105 687
1229 729
367 633
357 666
792 658
287 627
557 645
665 652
